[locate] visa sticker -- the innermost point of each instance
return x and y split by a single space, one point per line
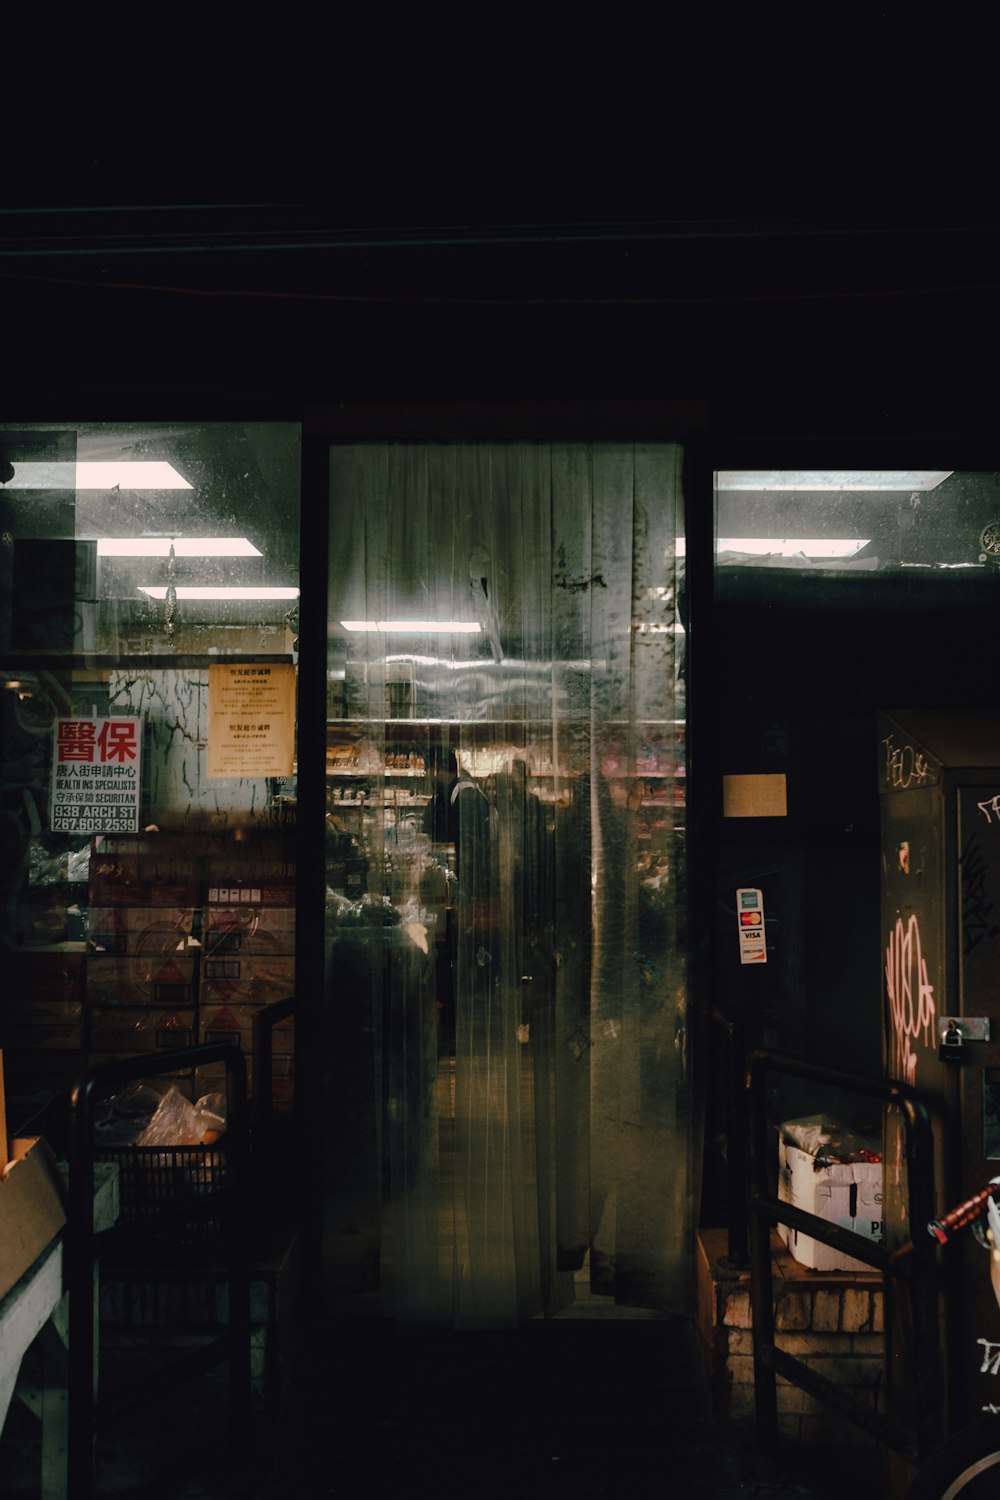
750 927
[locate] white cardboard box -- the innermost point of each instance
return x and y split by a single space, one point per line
846 1193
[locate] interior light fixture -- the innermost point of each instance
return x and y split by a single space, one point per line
184 546
128 474
445 663
416 627
758 480
184 591
809 546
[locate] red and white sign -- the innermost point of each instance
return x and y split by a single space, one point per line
96 776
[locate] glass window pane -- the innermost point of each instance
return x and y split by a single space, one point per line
855 521
148 618
506 858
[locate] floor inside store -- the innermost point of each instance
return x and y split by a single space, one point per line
590 1403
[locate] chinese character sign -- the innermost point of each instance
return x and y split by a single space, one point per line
251 719
96 776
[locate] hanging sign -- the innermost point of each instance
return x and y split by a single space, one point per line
251 719
750 925
96 776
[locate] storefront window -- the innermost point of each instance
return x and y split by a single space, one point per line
148 622
507 994
856 520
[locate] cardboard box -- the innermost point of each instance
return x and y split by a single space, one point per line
247 980
140 929
155 979
124 1032
29 1023
244 929
45 974
112 884
32 1208
261 873
848 1194
159 871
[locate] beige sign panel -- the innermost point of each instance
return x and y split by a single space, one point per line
251 720
754 796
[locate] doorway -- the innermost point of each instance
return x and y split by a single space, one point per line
508 1070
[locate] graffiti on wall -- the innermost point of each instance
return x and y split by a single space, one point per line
911 997
977 908
906 766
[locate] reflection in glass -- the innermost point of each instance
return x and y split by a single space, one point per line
116 542
857 521
505 834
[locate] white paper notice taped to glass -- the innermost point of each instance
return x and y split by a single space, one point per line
750 925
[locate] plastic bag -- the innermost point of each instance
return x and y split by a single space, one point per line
178 1122
828 1141
120 1119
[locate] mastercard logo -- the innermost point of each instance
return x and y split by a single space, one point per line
750 919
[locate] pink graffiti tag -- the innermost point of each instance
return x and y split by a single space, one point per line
911 996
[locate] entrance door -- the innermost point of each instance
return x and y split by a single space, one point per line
509 1081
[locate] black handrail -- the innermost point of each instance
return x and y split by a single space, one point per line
915 1270
80 1247
734 1058
262 1107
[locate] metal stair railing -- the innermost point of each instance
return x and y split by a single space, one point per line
913 1272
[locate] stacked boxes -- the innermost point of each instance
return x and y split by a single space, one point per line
142 965
41 1000
159 874
142 978
249 963
169 954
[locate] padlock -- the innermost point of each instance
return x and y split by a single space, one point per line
952 1048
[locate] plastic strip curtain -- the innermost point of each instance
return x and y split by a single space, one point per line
514 946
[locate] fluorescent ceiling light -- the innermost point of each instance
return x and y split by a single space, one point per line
184 546
130 474
810 546
447 664
831 479
416 627
159 591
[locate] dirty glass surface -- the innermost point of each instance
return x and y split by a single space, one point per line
919 523
146 876
507 996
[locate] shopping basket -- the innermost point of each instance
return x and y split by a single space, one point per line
179 1206
174 1194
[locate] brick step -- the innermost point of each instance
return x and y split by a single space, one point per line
831 1320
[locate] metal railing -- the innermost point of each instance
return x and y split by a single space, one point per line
262 1102
913 1273
85 1415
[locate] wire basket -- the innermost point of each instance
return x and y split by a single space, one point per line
179 1189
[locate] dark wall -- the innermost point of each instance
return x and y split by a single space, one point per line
801 668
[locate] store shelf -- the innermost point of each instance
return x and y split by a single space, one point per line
645 776
376 803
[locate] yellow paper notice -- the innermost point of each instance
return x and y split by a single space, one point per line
251 719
